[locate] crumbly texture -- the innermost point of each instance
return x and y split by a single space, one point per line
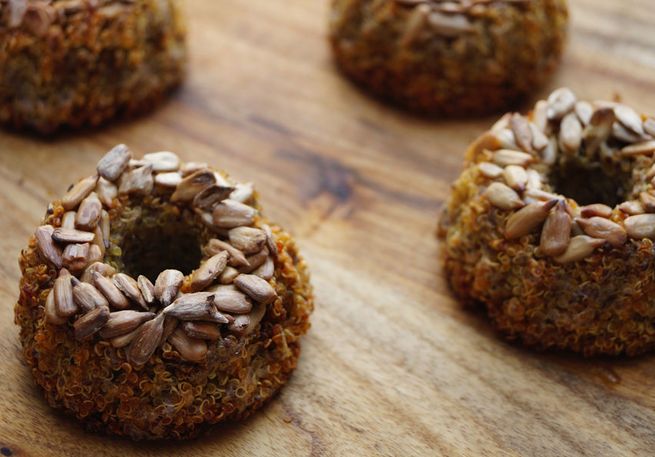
600 302
505 51
76 63
167 397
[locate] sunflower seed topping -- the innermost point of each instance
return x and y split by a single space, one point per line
247 323
237 258
130 288
147 289
229 214
88 213
560 103
503 197
196 306
228 275
65 235
598 130
640 226
202 330
110 291
632 207
209 271
146 341
266 270
490 170
192 185
556 232
172 179
122 322
51 315
579 248
78 192
516 177
68 220
243 193
570 134
229 299
88 297
162 161
527 219
191 349
63 294
211 196
599 227
167 285
106 191
112 165
105 270
48 249
255 287
522 132
645 147
90 323
629 118
75 256
504 157
138 181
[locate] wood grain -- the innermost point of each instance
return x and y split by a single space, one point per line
393 365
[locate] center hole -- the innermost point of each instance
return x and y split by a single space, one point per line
589 183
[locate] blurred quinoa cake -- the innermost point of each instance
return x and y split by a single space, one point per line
551 227
449 57
74 63
156 299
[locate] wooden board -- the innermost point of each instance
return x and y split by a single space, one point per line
392 365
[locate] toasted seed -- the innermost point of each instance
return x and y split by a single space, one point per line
550 152
584 111
228 275
229 299
99 241
538 194
539 140
110 291
255 261
48 249
196 306
515 177
167 286
138 181
534 179
95 255
191 167
192 185
490 170
130 288
596 209
162 161
88 213
623 134
237 258
556 232
122 322
570 134
66 235
505 138
599 227
51 315
629 118
448 25
202 330
242 193
124 340
68 220
208 271
248 240
90 323
645 147
75 256
171 179
598 130
539 115
230 214
579 248
170 324
649 126
211 196
107 192
504 157
102 268
560 103
88 297
640 226
503 197
267 270
527 219
632 207
647 202
246 323
78 192
65 306
522 133
191 349
256 288
147 289
112 164
136 163
146 341
270 240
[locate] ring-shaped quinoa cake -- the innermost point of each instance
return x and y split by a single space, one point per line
74 63
551 227
155 299
454 58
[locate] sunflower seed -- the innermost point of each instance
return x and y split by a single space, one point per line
99 242
539 140
255 261
130 288
229 299
134 163
527 219
560 103
647 202
550 152
270 240
65 235
95 255
623 134
147 289
632 207
237 258
75 256
640 226
490 170
68 220
208 271
570 134
138 181
196 306
242 193
48 249
598 130
63 289
88 213
88 297
538 194
90 323
256 288
522 132
515 177
107 192
267 270
146 340
596 210
598 227
629 118
228 275
202 330
191 167
112 165
247 323
504 157
556 232
534 179
248 240
51 315
211 196
124 340
503 197
579 248
105 226
190 349
539 115
78 192
230 214
162 161
505 138
168 179
167 285
649 126
110 291
584 111
645 147
449 25
122 322
102 268
192 185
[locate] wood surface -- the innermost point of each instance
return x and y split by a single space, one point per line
392 365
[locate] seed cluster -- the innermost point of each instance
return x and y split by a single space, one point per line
229 289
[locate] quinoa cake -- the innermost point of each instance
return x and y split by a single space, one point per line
74 63
449 57
155 299
551 227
